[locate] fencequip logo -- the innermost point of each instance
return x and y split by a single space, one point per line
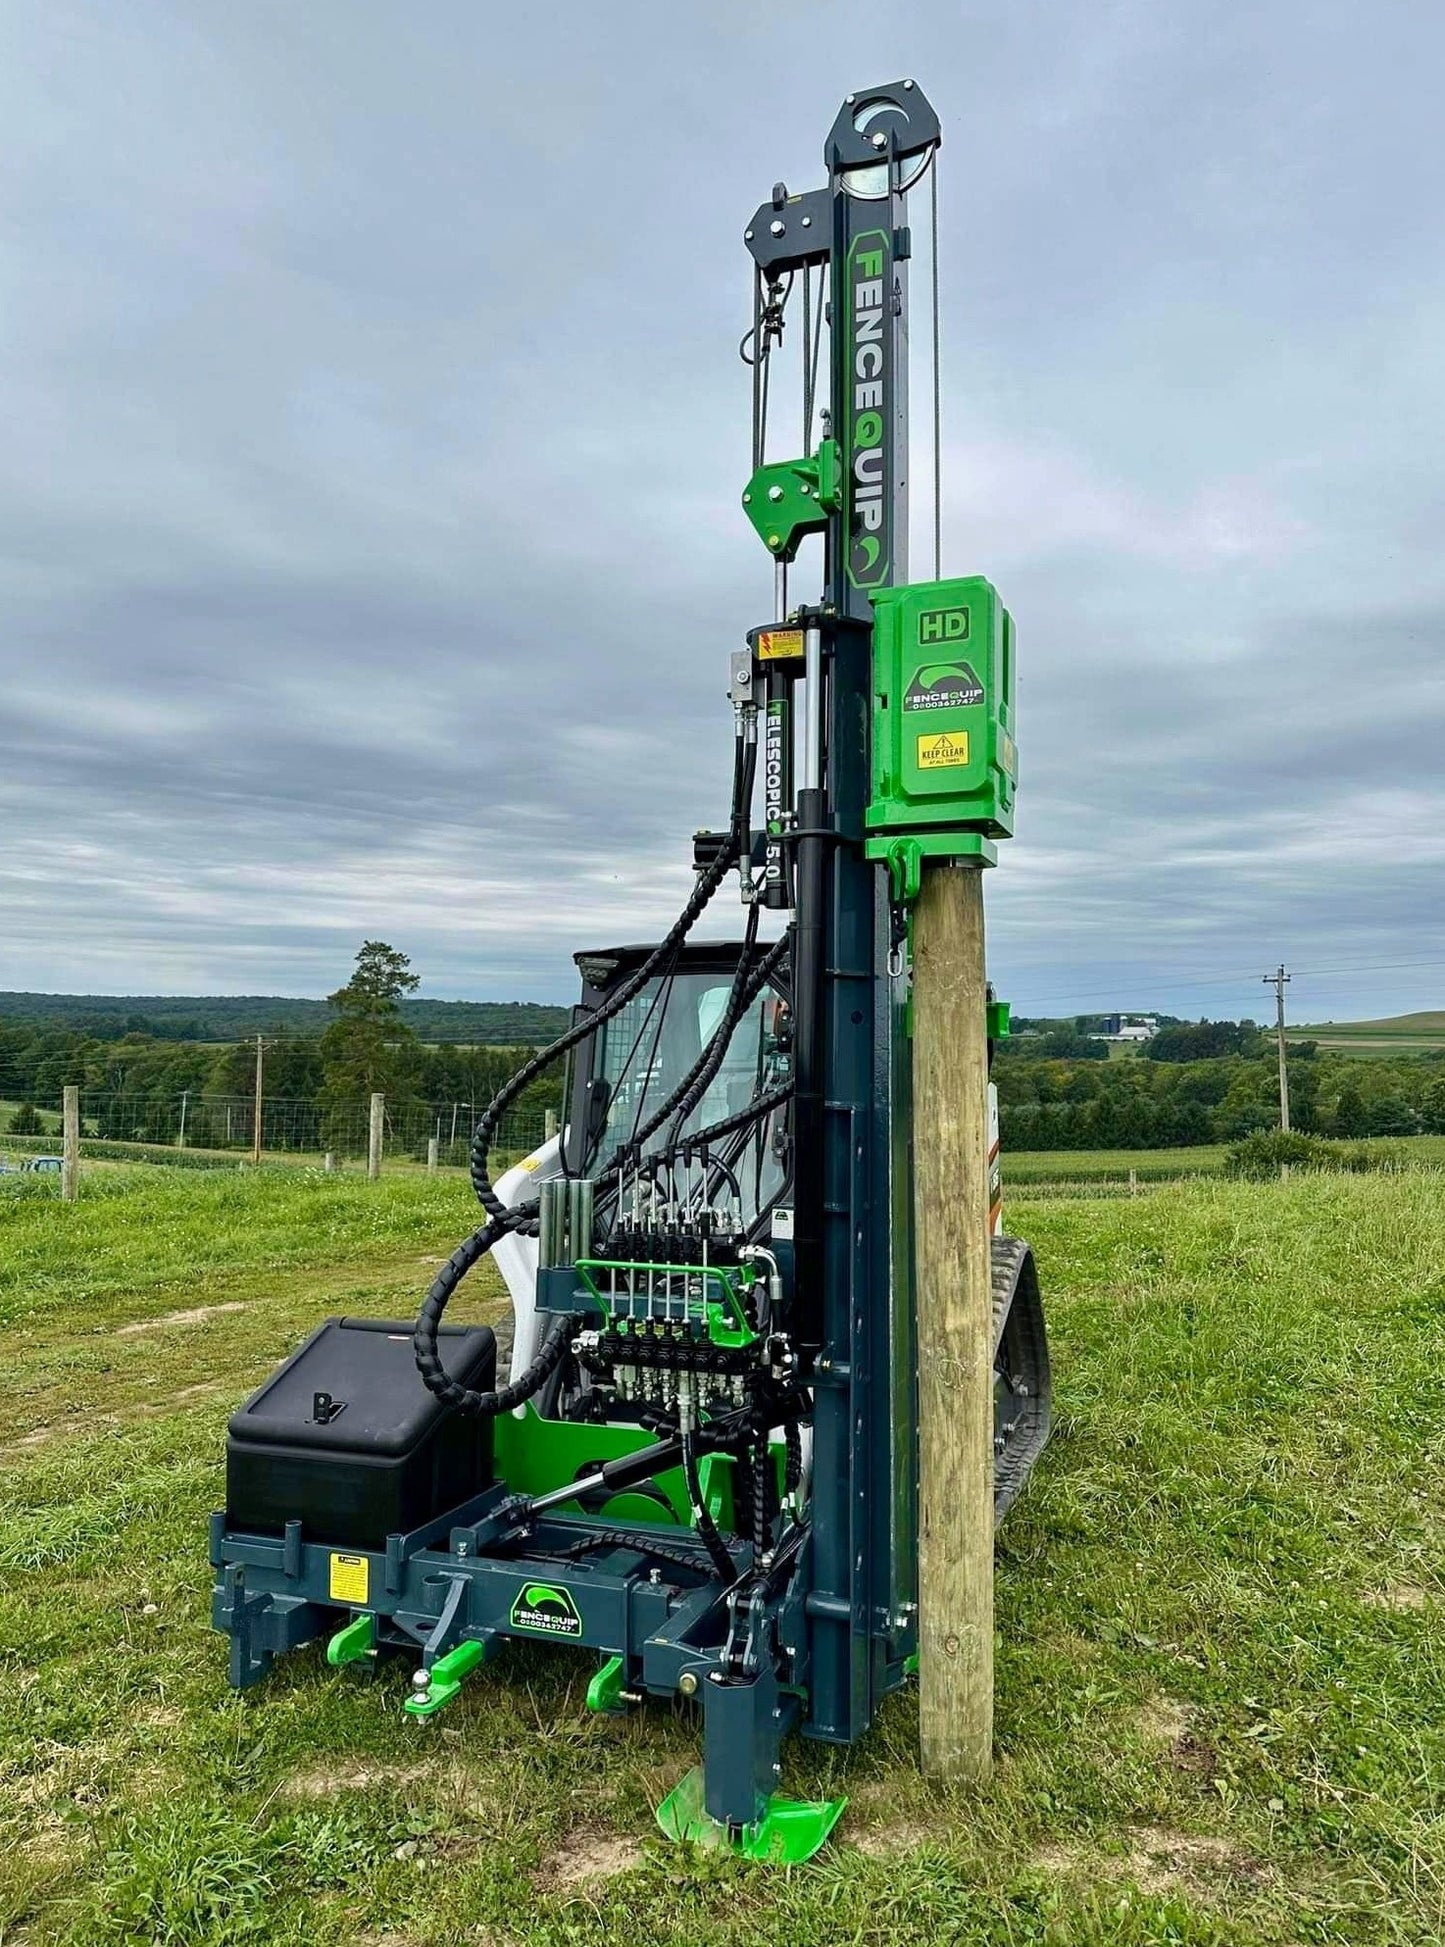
870 288
545 1611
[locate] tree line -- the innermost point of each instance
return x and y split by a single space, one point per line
315 1090
1180 1094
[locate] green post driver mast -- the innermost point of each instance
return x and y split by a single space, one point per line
703 1466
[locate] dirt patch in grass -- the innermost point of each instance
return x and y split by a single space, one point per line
197 1315
1162 1861
1159 1861
1170 1725
1399 1596
353 1775
887 1841
585 1855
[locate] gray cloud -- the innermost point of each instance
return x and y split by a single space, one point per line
374 432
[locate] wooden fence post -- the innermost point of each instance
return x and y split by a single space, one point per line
955 1326
375 1136
432 1145
549 1124
70 1144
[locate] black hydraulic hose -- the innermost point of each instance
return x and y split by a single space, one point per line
486 1129
706 1527
744 766
763 1486
793 1456
760 1106
718 1045
424 1340
636 1538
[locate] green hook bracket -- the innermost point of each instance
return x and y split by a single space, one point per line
604 1693
357 1639
447 1676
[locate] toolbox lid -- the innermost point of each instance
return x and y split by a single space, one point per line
353 1388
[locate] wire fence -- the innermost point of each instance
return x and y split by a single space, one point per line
200 1123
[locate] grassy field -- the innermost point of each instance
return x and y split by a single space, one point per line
1399 1034
1221 1704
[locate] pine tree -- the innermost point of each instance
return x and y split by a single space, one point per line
368 1047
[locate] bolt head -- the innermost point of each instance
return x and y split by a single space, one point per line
747 500
777 226
687 1683
420 1680
880 140
807 222
775 541
908 84
747 236
775 493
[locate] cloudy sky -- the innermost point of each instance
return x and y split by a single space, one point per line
373 432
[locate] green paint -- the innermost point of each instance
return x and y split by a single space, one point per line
356 1640
790 1831
868 379
447 1675
944 757
787 499
534 1455
716 1304
604 1693
545 1609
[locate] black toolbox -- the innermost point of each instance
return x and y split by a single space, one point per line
346 1439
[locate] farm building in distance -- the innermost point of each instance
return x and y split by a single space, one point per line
1127 1027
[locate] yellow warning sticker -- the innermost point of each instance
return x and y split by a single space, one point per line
779 645
944 750
350 1578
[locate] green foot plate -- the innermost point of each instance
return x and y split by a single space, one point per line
790 1831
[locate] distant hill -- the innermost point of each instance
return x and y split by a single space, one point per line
230 1017
1397 1034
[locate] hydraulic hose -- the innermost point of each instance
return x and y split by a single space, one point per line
501 1218
744 767
718 1044
706 1527
424 1340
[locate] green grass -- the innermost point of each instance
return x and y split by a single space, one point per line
1398 1034
1221 1672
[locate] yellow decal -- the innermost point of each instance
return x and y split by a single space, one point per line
350 1578
779 645
945 750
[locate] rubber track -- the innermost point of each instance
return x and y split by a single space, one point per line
1021 1352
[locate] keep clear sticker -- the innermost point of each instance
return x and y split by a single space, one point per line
944 750
350 1578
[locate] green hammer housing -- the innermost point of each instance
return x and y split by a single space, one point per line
945 765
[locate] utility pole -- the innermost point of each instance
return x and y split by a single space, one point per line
181 1138
1279 980
260 1084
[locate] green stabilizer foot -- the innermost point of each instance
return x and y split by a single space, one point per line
790 1831
352 1643
447 1675
604 1693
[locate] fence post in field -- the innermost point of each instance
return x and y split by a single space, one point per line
431 1155
374 1136
328 1161
257 1126
70 1145
1133 1183
955 1326
549 1124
